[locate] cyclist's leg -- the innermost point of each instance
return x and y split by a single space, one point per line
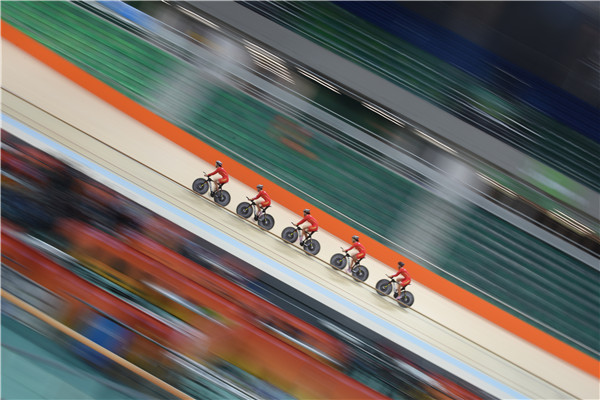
405 283
309 231
304 235
402 285
353 254
259 210
304 232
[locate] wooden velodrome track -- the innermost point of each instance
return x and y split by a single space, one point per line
45 100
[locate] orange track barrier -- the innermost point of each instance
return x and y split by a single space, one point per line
293 202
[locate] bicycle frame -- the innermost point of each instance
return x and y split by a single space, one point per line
256 208
350 259
395 286
212 182
301 232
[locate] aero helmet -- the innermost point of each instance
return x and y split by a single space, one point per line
259 187
219 163
355 238
306 211
400 264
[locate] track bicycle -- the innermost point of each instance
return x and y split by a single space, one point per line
220 196
246 209
385 286
310 245
340 260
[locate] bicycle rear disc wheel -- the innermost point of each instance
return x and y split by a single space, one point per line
266 222
360 273
407 299
312 246
222 197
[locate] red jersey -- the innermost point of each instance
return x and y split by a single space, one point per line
311 219
221 171
358 246
265 197
402 271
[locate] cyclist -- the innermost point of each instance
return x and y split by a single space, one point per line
358 254
224 177
406 277
261 204
310 225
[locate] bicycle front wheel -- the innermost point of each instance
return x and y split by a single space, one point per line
200 185
338 261
244 210
383 287
289 234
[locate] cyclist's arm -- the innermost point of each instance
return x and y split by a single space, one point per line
351 247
